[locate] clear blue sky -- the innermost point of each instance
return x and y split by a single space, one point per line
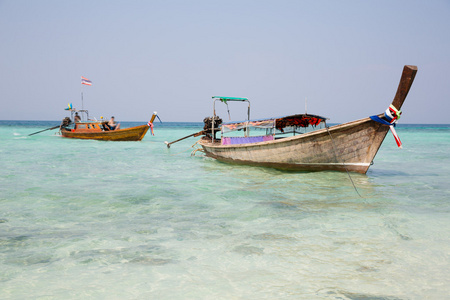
345 57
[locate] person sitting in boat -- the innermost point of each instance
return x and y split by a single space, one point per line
77 118
112 124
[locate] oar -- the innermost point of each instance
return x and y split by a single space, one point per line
194 134
44 130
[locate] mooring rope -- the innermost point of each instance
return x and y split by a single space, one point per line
195 151
390 225
343 163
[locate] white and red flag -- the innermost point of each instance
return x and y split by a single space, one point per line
85 81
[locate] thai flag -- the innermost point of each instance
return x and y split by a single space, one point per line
85 81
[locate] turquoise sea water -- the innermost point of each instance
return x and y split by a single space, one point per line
135 220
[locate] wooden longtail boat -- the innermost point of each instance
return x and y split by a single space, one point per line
99 130
346 147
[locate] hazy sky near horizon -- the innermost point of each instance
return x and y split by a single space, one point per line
344 57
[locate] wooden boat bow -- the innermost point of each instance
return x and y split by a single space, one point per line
406 81
350 146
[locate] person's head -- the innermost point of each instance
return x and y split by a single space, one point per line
112 118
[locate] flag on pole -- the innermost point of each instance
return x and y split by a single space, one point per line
85 81
69 106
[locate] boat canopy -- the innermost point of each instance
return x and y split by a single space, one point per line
225 99
300 120
84 114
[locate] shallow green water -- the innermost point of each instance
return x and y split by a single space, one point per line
135 220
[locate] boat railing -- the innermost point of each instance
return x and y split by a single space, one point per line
225 100
83 116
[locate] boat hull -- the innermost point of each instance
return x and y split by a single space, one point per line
136 133
347 147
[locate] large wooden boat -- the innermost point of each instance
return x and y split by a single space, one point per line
99 130
346 147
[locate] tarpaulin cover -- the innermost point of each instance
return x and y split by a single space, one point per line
241 125
225 99
280 123
298 121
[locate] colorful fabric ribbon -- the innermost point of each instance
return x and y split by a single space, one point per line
150 124
391 115
397 139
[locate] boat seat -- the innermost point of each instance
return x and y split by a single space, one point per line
246 140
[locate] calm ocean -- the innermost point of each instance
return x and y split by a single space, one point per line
135 220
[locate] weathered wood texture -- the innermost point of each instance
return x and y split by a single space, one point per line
408 75
351 146
136 133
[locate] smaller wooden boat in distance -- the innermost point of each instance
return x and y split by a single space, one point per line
297 142
89 129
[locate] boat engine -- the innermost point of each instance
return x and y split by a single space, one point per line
208 124
65 122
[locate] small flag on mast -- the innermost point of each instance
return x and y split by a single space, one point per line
85 81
